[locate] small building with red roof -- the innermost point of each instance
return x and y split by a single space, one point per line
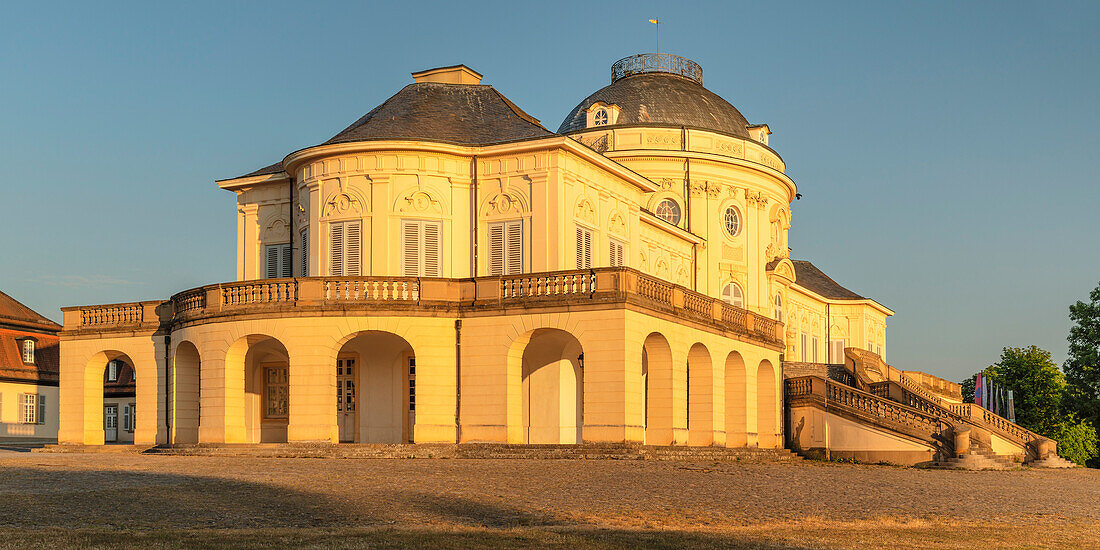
28 373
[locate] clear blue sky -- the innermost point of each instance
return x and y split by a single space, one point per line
947 154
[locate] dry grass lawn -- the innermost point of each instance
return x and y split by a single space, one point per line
117 501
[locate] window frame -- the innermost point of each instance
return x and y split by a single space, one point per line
600 117
113 370
33 347
674 209
507 247
616 250
740 294
777 308
28 408
585 238
284 383
725 221
421 252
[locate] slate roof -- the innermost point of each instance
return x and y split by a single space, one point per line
462 114
662 99
808 276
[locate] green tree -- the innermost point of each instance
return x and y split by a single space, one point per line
1037 386
1083 365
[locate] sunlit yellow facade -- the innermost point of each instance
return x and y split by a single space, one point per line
625 279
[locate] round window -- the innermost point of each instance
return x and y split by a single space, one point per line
601 117
732 220
669 211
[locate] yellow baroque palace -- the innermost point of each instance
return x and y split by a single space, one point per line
448 270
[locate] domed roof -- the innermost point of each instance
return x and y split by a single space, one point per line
661 90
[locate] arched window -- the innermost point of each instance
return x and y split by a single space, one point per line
732 294
601 117
777 313
669 211
732 221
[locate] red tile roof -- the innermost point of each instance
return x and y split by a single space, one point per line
18 322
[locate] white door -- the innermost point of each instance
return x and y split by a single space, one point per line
345 398
110 423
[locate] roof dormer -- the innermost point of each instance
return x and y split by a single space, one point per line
759 132
455 74
602 114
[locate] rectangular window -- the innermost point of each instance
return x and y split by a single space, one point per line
506 248
616 253
28 351
805 344
836 352
30 408
41 409
133 416
584 248
277 261
304 252
345 248
878 350
126 418
420 248
412 384
276 392
813 345
112 371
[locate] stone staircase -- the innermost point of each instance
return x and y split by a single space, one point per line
584 451
979 457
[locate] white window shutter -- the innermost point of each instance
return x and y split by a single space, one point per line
514 254
410 248
336 249
431 249
584 248
353 253
496 249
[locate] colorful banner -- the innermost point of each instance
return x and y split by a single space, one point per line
978 389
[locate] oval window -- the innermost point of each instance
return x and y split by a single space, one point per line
601 117
732 220
669 211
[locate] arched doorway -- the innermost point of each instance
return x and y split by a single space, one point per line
552 387
376 389
119 400
767 413
658 396
187 367
263 365
700 396
736 401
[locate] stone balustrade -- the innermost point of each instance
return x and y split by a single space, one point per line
596 287
876 409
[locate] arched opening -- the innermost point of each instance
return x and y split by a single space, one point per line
767 414
186 365
552 387
263 365
700 396
659 396
119 385
376 389
736 401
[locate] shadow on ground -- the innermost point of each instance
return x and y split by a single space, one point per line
40 507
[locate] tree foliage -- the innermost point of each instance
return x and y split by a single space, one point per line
1083 365
1037 386
1077 442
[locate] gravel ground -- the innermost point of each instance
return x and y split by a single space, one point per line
72 491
